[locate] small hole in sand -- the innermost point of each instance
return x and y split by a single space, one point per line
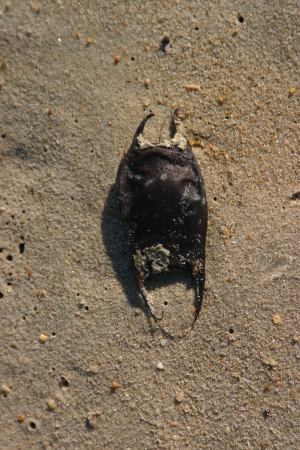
64 383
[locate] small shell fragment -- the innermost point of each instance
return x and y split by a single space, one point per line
146 102
5 389
43 338
179 397
276 319
272 362
192 87
160 366
94 368
51 403
195 144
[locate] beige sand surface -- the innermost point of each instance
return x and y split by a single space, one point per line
72 323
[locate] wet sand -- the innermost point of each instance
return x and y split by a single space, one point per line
82 365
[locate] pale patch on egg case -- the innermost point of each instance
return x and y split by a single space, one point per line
157 257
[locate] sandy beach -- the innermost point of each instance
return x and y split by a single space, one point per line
82 365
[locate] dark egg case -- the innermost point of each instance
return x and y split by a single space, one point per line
162 202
